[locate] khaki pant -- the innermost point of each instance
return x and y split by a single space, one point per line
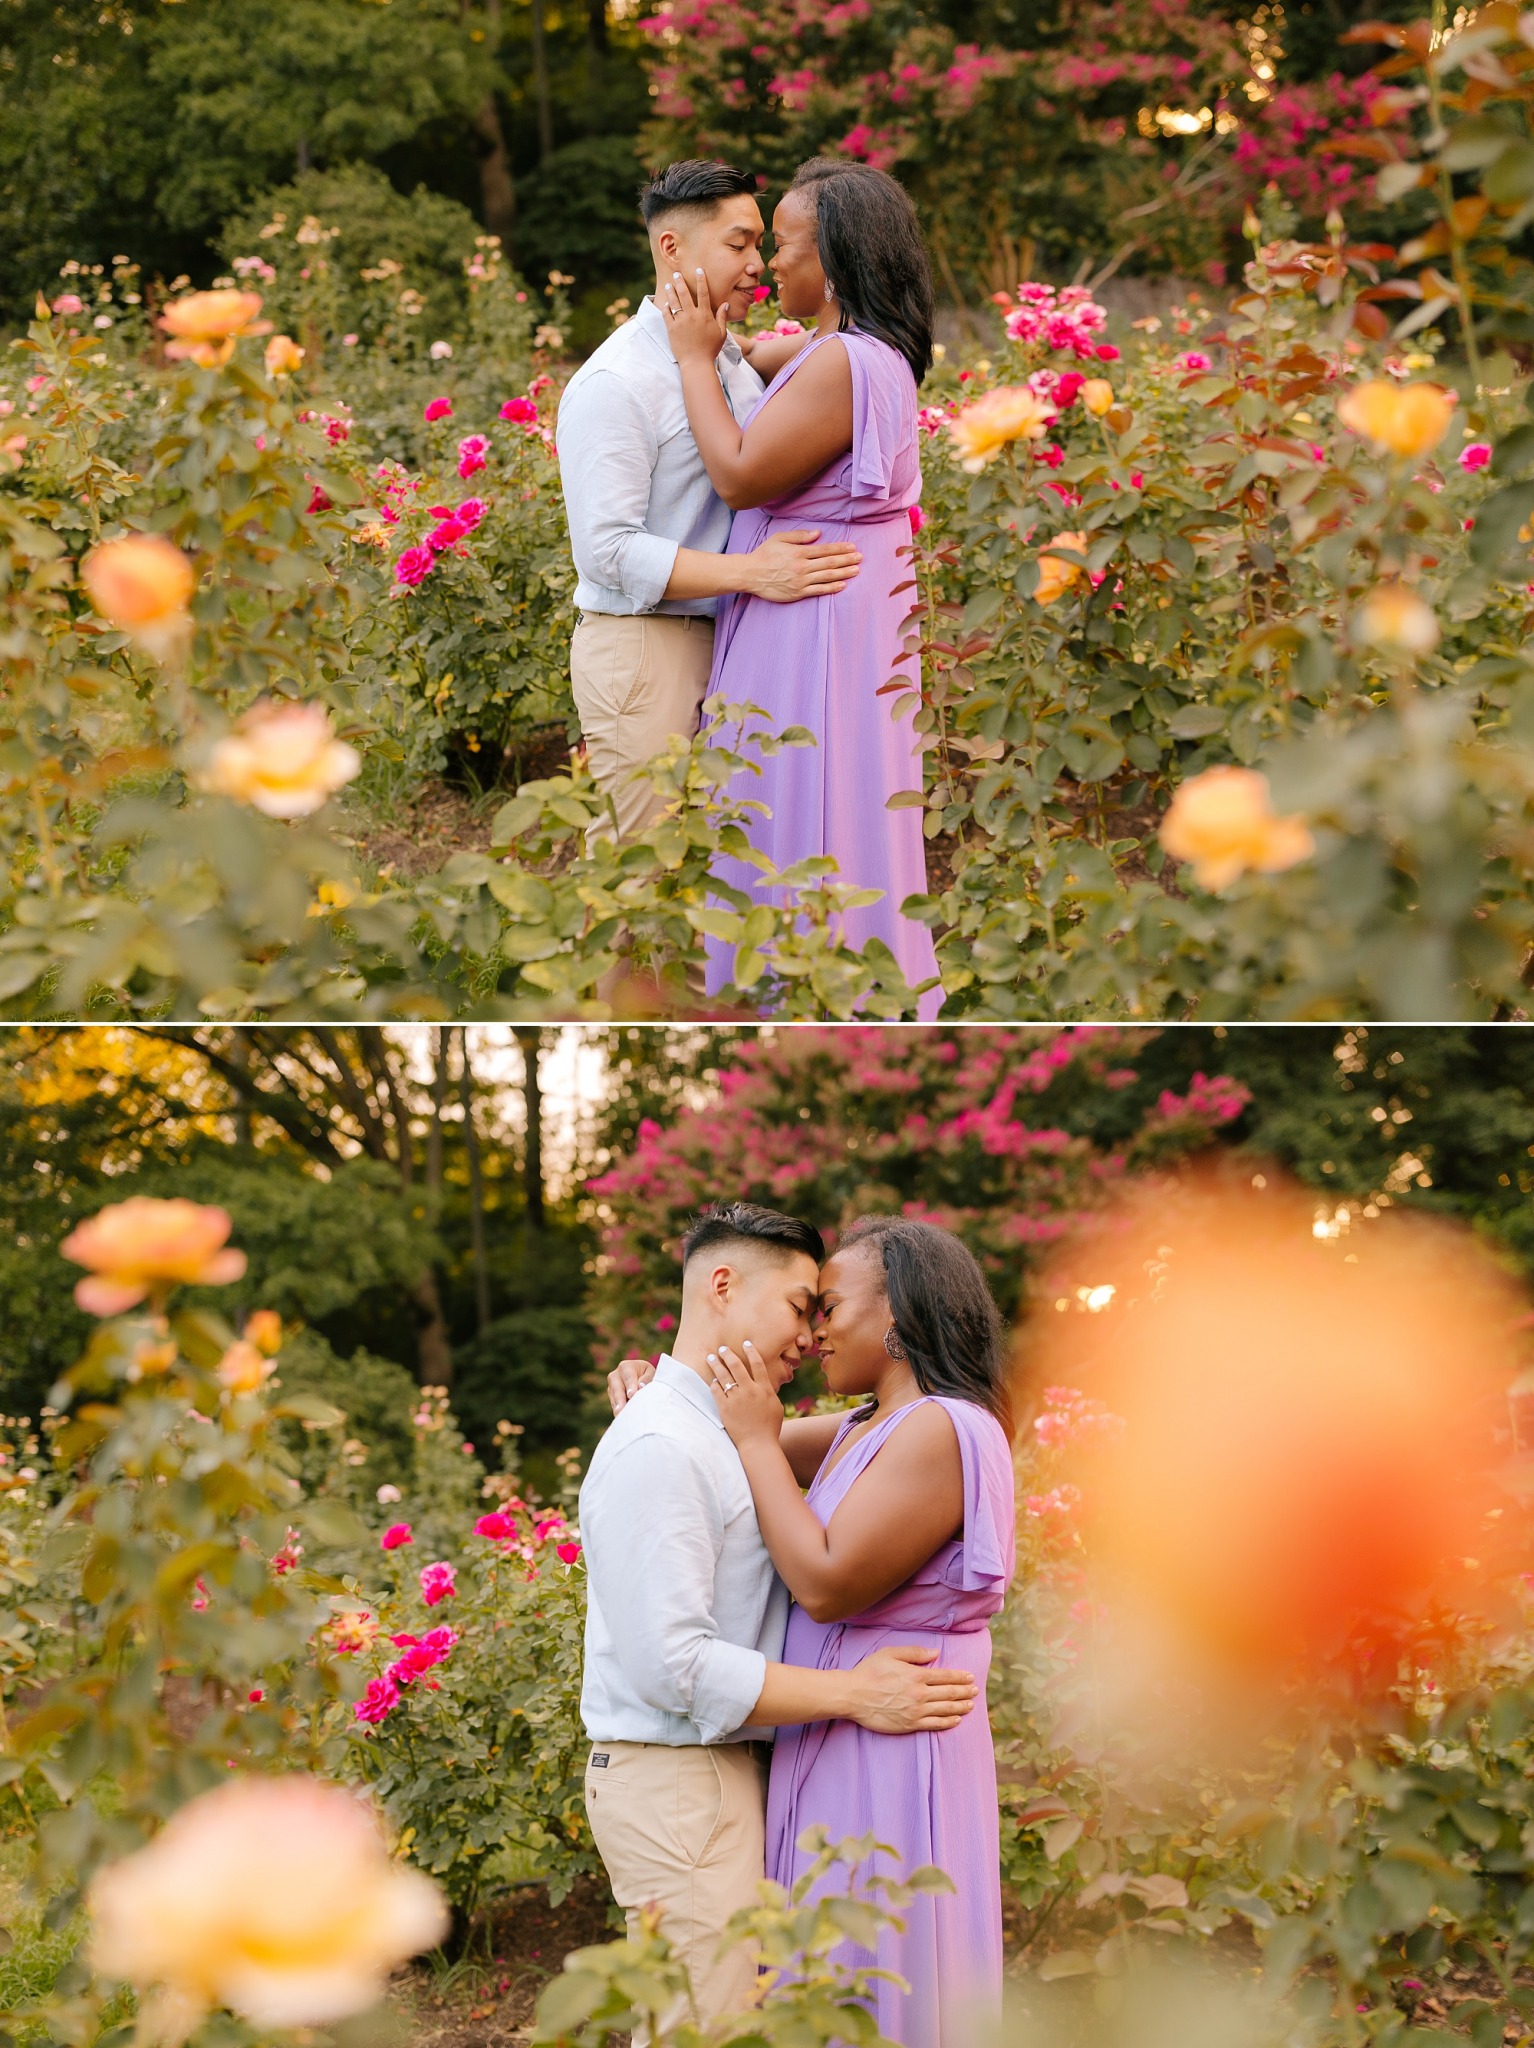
636 681
685 1830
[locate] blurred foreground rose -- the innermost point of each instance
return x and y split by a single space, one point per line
1308 1458
1396 619
283 759
145 1245
274 1897
1408 419
1223 822
206 325
1097 396
1012 413
142 584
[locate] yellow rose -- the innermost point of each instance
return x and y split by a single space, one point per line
146 1243
1097 396
1396 619
1408 419
206 325
274 1897
1222 821
283 355
282 759
142 584
1056 574
1010 413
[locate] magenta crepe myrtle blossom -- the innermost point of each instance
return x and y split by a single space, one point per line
396 1536
438 1583
1475 455
438 409
414 565
472 450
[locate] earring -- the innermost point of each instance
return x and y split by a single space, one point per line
830 291
892 1344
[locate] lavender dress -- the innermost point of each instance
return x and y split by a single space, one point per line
822 662
932 1797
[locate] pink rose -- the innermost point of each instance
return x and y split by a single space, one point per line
520 411
470 513
472 450
1105 352
1192 359
67 302
1475 455
497 1527
413 566
760 292
438 1583
438 409
445 536
318 502
396 1536
567 1553
378 1702
917 517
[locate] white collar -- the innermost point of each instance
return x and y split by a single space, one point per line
692 1386
654 323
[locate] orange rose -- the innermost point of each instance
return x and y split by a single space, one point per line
1097 396
263 1328
207 325
1223 822
1408 419
143 585
283 355
1055 573
146 1244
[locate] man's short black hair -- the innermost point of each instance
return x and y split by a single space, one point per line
769 1230
696 183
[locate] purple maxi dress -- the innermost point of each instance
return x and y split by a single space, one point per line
931 1796
821 663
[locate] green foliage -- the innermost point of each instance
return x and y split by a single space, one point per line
532 1366
374 1444
810 1995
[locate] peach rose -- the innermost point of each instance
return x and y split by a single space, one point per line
1222 821
1408 419
206 325
273 1897
1396 619
1056 574
1010 413
243 1369
263 1328
142 584
146 1244
1097 396
283 356
283 759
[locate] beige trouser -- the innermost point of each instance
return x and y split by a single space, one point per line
685 1830
636 681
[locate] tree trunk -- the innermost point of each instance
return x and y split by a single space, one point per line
434 1354
497 189
434 1128
596 64
544 103
530 1039
476 1185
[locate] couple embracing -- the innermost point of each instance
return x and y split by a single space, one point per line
727 1607
737 514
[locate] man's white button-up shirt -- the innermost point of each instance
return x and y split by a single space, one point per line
635 486
684 1609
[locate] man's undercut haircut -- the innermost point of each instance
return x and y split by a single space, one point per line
744 1223
695 186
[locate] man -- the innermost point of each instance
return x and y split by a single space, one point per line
647 528
685 1616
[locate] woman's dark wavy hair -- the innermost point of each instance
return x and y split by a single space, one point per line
942 1311
872 253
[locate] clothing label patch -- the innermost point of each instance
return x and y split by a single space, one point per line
599 1759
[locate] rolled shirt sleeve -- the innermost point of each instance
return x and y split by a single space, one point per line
607 455
652 1544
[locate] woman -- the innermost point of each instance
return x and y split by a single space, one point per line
906 1534
832 443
